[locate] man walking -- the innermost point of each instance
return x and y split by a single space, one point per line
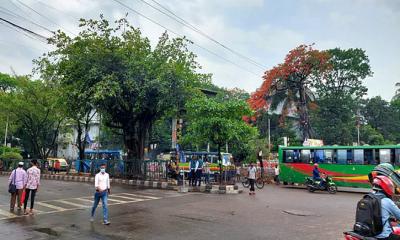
102 185
18 177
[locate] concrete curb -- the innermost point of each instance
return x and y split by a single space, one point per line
228 189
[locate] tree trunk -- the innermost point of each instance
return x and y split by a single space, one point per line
80 145
303 114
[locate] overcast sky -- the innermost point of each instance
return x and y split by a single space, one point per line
263 31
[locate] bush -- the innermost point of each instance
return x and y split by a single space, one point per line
11 156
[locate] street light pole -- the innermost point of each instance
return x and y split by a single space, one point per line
269 137
5 135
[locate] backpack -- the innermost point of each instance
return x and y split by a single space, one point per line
369 215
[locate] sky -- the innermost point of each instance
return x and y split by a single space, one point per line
263 31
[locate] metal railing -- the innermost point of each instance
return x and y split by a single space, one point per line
152 170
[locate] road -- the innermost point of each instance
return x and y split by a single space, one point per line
273 213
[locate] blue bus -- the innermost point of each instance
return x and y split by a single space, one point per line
95 158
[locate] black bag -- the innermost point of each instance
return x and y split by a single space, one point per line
12 188
369 215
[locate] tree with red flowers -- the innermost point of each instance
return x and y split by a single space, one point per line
288 85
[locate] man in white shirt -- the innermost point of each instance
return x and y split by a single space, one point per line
252 172
102 185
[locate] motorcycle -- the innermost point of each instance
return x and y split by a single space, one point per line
313 185
355 236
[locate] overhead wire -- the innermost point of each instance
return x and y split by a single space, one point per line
39 36
43 16
179 35
13 14
182 21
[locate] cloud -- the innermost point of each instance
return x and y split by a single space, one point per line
262 30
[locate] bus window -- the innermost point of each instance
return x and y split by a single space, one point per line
329 156
384 155
369 156
358 156
319 156
341 156
296 156
288 156
397 157
305 156
350 157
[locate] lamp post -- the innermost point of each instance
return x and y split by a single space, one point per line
5 135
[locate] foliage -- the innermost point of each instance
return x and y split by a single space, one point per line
339 90
289 85
132 84
218 122
11 156
371 136
382 116
38 110
347 69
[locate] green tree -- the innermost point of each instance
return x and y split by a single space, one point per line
133 85
38 111
289 86
218 123
339 90
382 116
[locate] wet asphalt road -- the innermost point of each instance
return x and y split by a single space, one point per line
158 214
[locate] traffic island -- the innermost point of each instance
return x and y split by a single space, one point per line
215 189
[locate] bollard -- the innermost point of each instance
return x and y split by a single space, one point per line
182 189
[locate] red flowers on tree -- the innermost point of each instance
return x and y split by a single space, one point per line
288 85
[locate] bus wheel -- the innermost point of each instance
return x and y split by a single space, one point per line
285 183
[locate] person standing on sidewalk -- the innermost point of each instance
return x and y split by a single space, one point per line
252 171
57 166
206 172
18 178
192 168
102 185
199 172
32 185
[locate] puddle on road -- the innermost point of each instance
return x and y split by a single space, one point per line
48 231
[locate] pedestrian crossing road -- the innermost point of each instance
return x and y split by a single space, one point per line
70 204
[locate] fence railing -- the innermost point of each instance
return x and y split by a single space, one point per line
152 170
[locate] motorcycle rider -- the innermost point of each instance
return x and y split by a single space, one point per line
383 185
317 176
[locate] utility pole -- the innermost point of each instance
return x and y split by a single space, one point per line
5 135
358 128
269 137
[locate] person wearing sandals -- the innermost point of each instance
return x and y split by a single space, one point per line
18 177
32 185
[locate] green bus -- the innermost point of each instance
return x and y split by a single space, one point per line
347 165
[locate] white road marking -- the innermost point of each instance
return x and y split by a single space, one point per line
114 200
7 213
136 195
72 204
51 206
131 198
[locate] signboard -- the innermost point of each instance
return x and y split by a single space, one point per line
313 143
